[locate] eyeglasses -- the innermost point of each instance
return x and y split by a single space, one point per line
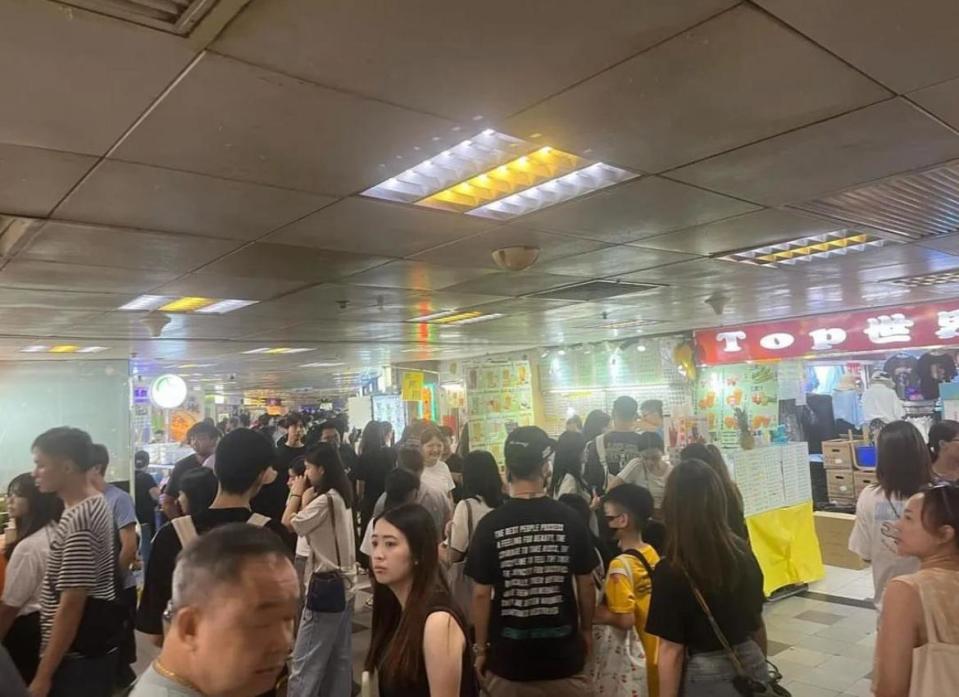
945 487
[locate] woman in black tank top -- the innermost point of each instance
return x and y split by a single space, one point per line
419 646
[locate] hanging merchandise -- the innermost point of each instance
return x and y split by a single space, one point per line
901 368
933 368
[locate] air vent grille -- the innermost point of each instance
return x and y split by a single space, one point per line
174 16
596 290
915 206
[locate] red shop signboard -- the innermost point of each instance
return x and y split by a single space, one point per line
929 324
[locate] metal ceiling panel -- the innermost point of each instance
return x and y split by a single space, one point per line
862 146
214 285
428 56
130 195
942 100
375 227
284 261
32 181
75 80
902 45
235 120
638 209
415 275
66 276
611 261
698 94
705 273
477 251
26 298
513 283
123 248
749 230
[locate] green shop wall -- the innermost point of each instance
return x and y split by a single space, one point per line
37 395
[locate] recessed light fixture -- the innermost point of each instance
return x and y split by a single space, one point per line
279 350
63 348
929 279
455 318
494 175
433 317
195 365
806 249
185 304
321 365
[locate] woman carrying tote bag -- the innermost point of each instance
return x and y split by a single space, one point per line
323 654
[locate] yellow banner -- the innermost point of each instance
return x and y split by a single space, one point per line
785 543
412 386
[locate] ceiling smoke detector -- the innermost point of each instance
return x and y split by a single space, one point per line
718 302
155 322
515 258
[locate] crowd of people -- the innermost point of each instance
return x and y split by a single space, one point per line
587 565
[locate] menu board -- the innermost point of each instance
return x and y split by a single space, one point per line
390 407
499 398
772 477
752 388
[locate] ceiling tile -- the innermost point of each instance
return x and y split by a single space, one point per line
235 120
46 274
865 145
284 261
344 303
704 273
75 80
27 298
611 261
894 261
229 286
904 47
699 94
425 56
226 326
135 249
415 275
520 306
945 243
743 231
375 227
476 251
120 193
32 181
514 283
638 209
942 100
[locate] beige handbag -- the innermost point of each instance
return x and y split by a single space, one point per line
935 666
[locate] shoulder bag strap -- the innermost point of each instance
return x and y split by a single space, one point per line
642 560
740 671
601 449
185 529
336 538
469 522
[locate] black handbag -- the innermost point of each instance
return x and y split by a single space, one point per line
327 589
745 685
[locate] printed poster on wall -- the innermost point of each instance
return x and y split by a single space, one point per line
499 398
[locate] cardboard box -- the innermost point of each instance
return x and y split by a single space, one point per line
863 479
841 486
833 531
840 454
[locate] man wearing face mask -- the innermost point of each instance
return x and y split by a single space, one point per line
534 636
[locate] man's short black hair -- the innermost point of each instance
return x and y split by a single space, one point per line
218 557
330 424
205 428
141 459
625 409
652 406
68 443
241 457
294 417
101 457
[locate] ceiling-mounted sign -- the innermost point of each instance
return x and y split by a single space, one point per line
168 391
412 386
887 328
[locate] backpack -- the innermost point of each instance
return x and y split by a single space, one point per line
186 530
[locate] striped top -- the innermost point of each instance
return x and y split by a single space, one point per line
81 556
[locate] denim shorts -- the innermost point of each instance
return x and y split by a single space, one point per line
711 674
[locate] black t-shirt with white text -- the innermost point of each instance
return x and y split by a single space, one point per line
620 448
158 579
530 550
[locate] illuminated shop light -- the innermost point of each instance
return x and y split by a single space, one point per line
63 348
806 249
279 350
461 162
185 304
569 186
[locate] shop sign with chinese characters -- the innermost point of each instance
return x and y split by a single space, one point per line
929 324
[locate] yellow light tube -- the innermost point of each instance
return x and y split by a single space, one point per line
64 348
186 304
517 175
457 317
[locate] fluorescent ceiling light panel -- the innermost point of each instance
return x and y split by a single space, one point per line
461 162
475 320
35 349
92 349
64 348
806 249
172 303
458 317
569 186
433 317
518 175
929 279
321 365
279 350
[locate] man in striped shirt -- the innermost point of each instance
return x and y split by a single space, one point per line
80 619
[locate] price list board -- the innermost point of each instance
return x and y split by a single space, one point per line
499 399
772 477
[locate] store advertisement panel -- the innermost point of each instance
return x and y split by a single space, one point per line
929 324
500 398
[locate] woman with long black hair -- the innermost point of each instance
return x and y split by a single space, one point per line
35 515
568 467
709 577
318 510
419 646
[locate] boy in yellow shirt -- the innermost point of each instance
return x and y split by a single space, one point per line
628 509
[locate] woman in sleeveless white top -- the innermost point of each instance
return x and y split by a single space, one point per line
917 650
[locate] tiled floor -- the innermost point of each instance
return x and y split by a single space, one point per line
822 643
